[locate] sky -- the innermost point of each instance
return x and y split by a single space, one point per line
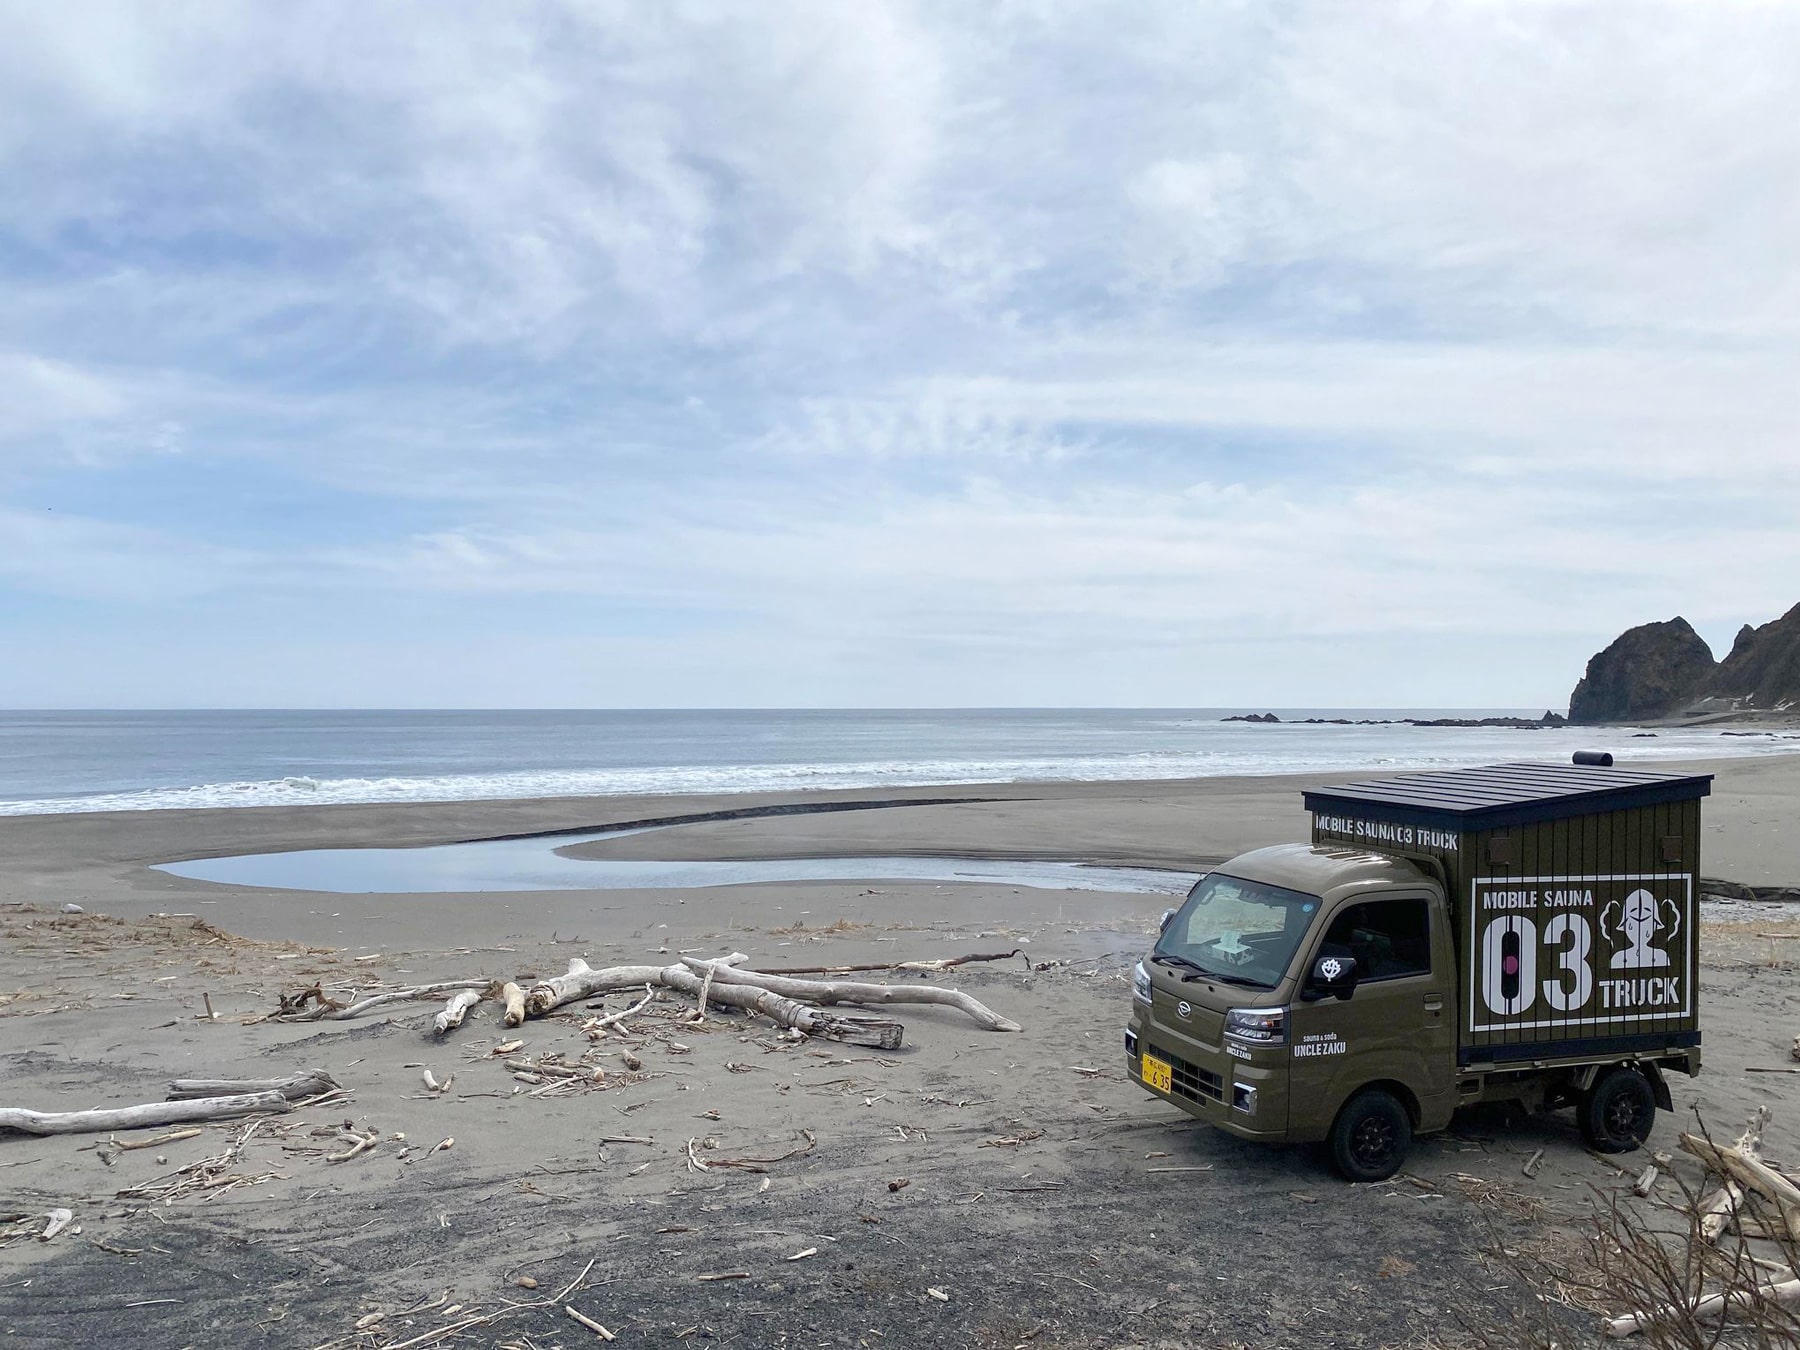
599 354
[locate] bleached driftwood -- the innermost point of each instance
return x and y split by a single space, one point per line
331 1011
845 991
583 981
1703 1309
880 1033
1719 1209
936 965
293 1087
454 1010
140 1117
1749 1171
596 1027
783 999
514 999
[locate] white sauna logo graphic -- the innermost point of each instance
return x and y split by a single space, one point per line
1634 924
1552 950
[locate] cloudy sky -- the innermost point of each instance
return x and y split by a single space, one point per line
858 353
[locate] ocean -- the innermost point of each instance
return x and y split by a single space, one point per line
110 761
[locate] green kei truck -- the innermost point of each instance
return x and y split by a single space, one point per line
1520 932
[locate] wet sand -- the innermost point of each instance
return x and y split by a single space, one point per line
1036 1197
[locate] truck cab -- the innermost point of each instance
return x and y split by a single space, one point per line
1359 989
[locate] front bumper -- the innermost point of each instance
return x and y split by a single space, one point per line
1244 1095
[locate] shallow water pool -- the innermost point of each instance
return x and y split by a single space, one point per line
535 865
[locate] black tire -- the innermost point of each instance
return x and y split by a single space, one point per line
1616 1113
1371 1136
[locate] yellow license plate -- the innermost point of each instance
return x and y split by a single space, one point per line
1158 1074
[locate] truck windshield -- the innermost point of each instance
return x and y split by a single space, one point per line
1242 931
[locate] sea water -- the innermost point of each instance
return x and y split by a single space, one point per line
110 761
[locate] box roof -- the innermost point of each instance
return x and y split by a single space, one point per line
1502 795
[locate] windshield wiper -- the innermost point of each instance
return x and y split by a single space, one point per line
1229 979
1202 973
1170 958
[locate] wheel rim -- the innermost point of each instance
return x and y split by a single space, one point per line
1372 1141
1624 1117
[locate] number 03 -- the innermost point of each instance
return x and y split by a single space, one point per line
1509 951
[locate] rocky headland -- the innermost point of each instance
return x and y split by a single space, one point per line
1666 670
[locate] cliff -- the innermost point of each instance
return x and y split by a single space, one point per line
1763 669
1649 671
1660 669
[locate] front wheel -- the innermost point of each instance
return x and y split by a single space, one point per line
1616 1113
1371 1136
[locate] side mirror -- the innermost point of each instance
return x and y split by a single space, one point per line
1163 927
1332 977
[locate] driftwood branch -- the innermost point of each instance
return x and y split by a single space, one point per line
939 964
844 991
330 1010
454 1010
1703 1309
514 999
1750 1171
596 1027
139 1117
293 1087
1718 1209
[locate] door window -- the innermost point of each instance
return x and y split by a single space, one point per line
1389 938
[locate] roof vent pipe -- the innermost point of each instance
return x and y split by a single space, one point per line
1600 758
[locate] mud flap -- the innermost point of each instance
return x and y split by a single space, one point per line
1658 1086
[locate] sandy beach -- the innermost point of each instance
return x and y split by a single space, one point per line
973 1188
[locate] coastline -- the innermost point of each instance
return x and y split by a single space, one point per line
1006 1143
102 860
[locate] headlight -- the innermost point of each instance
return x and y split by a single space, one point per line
1257 1026
1140 984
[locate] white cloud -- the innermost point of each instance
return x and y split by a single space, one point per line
78 557
1643 412
1032 327
37 394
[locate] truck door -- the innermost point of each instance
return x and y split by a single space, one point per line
1398 1025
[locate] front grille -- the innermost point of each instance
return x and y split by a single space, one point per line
1190 1080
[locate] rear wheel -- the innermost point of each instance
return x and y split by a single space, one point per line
1371 1136
1616 1113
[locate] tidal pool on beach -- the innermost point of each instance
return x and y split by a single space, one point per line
534 864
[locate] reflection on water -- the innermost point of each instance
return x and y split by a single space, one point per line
535 865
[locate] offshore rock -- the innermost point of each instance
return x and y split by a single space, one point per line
1652 670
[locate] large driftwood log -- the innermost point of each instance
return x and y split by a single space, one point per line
880 1033
845 991
936 965
139 1117
1718 1209
583 981
293 1087
1703 1309
1752 1172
